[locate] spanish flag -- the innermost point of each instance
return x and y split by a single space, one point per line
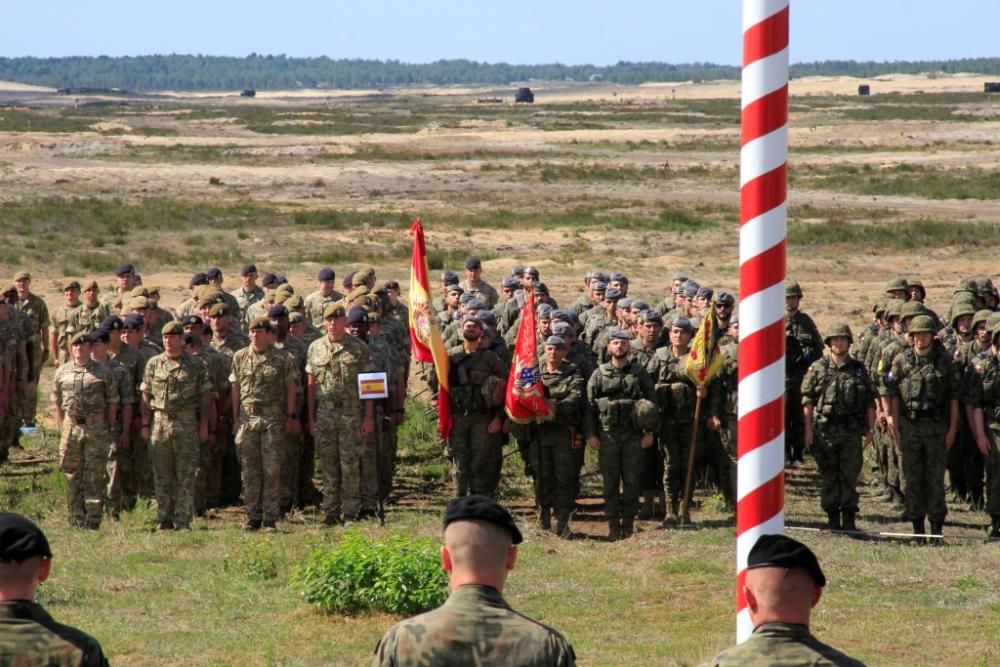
705 360
425 337
525 399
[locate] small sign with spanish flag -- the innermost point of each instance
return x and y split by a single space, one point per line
372 386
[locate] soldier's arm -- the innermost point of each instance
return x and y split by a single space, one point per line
234 402
57 400
590 411
54 345
311 402
147 414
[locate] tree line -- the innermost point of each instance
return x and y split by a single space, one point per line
279 72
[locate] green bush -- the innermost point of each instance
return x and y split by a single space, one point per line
399 576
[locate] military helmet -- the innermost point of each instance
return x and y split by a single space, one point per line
645 415
838 329
981 316
897 283
960 309
911 309
994 330
878 308
892 309
968 285
921 324
792 289
992 320
919 284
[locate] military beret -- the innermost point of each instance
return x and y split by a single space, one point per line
381 290
220 309
599 286
326 273
374 317
139 290
510 282
197 280
20 539
206 291
285 288
269 280
133 322
481 508
517 270
556 341
476 304
650 315
784 552
472 318
124 270
487 318
590 275
275 312
680 277
152 291
192 321
89 285
72 285
81 338
705 292
560 314
562 328
112 323
295 318
625 302
357 315
100 336
213 273
335 310
391 284
691 290
682 323
138 303
541 288
449 277
725 298
362 275
618 277
172 328
202 304
603 277
612 294
544 311
9 289
22 275
455 288
473 263
294 302
247 269
639 304
620 334
261 324
466 297
532 271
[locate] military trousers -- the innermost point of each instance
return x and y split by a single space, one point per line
27 406
620 461
174 450
675 438
119 469
476 454
795 423
923 467
993 471
338 443
839 456
83 454
260 442
728 457
370 463
556 473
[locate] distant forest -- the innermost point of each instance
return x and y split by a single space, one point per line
278 72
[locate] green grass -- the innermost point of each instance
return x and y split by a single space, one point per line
911 235
901 179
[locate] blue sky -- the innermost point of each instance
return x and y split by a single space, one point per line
516 31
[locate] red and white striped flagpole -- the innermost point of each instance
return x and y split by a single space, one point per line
763 190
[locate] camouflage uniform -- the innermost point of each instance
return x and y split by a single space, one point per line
30 636
142 458
782 644
373 452
675 397
231 477
803 346
244 300
61 326
88 319
85 393
316 303
334 367
475 626
124 495
290 473
126 397
174 389
982 392
722 404
208 477
38 313
262 380
483 291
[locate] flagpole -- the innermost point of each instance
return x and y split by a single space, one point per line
763 193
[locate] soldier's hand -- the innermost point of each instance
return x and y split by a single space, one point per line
807 437
312 428
594 442
495 425
701 391
203 432
983 443
45 356
647 441
293 427
949 439
714 424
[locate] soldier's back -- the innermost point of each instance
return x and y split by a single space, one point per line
782 644
30 636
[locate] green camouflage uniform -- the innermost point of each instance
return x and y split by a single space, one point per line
124 496
722 404
675 397
38 313
61 326
30 636
840 395
982 391
316 303
173 388
611 396
290 468
925 387
262 379
803 345
335 367
20 327
88 319
142 458
85 392
483 291
126 397
208 477
230 475
888 450
244 300
782 644
154 332
373 453
475 626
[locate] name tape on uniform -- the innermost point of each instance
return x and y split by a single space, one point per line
372 386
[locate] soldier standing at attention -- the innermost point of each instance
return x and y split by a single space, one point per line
34 307
298 465
475 626
338 421
60 328
327 293
982 396
91 313
803 346
125 280
474 283
839 409
215 279
613 392
121 430
924 387
176 395
784 582
86 401
248 293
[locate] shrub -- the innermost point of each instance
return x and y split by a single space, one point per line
399 576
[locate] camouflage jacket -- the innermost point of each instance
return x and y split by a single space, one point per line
482 291
611 396
88 319
263 379
133 362
233 341
60 325
316 303
564 387
476 380
675 393
723 393
28 635
176 385
247 299
475 626
154 332
803 345
34 307
84 391
841 394
582 303
782 644
334 366
925 385
123 382
981 387
864 340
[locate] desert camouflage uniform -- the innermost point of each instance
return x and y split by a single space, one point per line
61 326
335 367
85 393
124 496
38 313
30 636
142 458
231 343
88 319
782 644
294 445
262 379
126 397
475 626
244 300
316 303
230 475
208 477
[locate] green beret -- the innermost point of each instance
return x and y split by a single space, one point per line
261 324
293 302
82 338
335 309
172 328
219 310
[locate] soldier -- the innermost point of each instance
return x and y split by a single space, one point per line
924 388
803 345
156 317
133 333
395 309
30 636
898 288
61 324
190 305
215 279
337 419
125 280
34 307
916 291
475 284
475 626
317 302
248 292
448 279
226 338
121 431
297 469
982 398
648 338
86 402
176 405
91 313
614 392
261 377
838 408
23 356
783 583
722 404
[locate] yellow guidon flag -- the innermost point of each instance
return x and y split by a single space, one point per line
705 360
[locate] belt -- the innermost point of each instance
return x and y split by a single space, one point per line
176 414
83 421
256 411
923 415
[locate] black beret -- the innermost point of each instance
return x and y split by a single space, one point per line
214 272
112 323
510 282
481 508
449 277
247 269
725 298
72 285
20 539
277 311
193 320
269 280
326 273
133 321
124 269
391 284
782 551
197 279
473 263
100 336
531 271
358 315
